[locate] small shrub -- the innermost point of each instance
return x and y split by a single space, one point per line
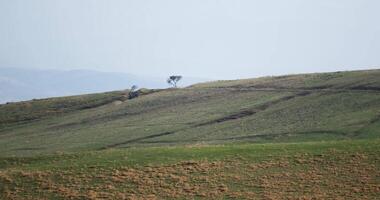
133 92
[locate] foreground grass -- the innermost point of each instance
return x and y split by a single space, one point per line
340 169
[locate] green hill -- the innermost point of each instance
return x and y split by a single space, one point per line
318 135
305 107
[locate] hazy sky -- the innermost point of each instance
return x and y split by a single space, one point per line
202 38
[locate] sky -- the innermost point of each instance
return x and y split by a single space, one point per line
218 39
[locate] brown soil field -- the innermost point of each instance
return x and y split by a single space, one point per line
325 176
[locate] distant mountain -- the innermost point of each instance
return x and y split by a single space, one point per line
23 84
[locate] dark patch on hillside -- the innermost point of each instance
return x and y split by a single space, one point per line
242 114
91 121
321 87
365 87
29 149
246 113
251 137
136 140
360 131
271 136
375 120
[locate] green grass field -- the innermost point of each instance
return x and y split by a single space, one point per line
347 169
286 137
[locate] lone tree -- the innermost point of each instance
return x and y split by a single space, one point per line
133 92
172 80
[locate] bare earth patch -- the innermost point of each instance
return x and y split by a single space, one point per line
332 176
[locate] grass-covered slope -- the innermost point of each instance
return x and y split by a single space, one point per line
23 112
306 107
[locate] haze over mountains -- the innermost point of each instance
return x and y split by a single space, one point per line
18 84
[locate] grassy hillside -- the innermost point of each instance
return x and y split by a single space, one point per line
308 136
13 114
306 107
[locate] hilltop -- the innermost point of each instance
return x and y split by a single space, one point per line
20 84
291 108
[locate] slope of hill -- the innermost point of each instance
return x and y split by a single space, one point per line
319 136
306 107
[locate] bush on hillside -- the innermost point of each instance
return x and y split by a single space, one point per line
133 92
